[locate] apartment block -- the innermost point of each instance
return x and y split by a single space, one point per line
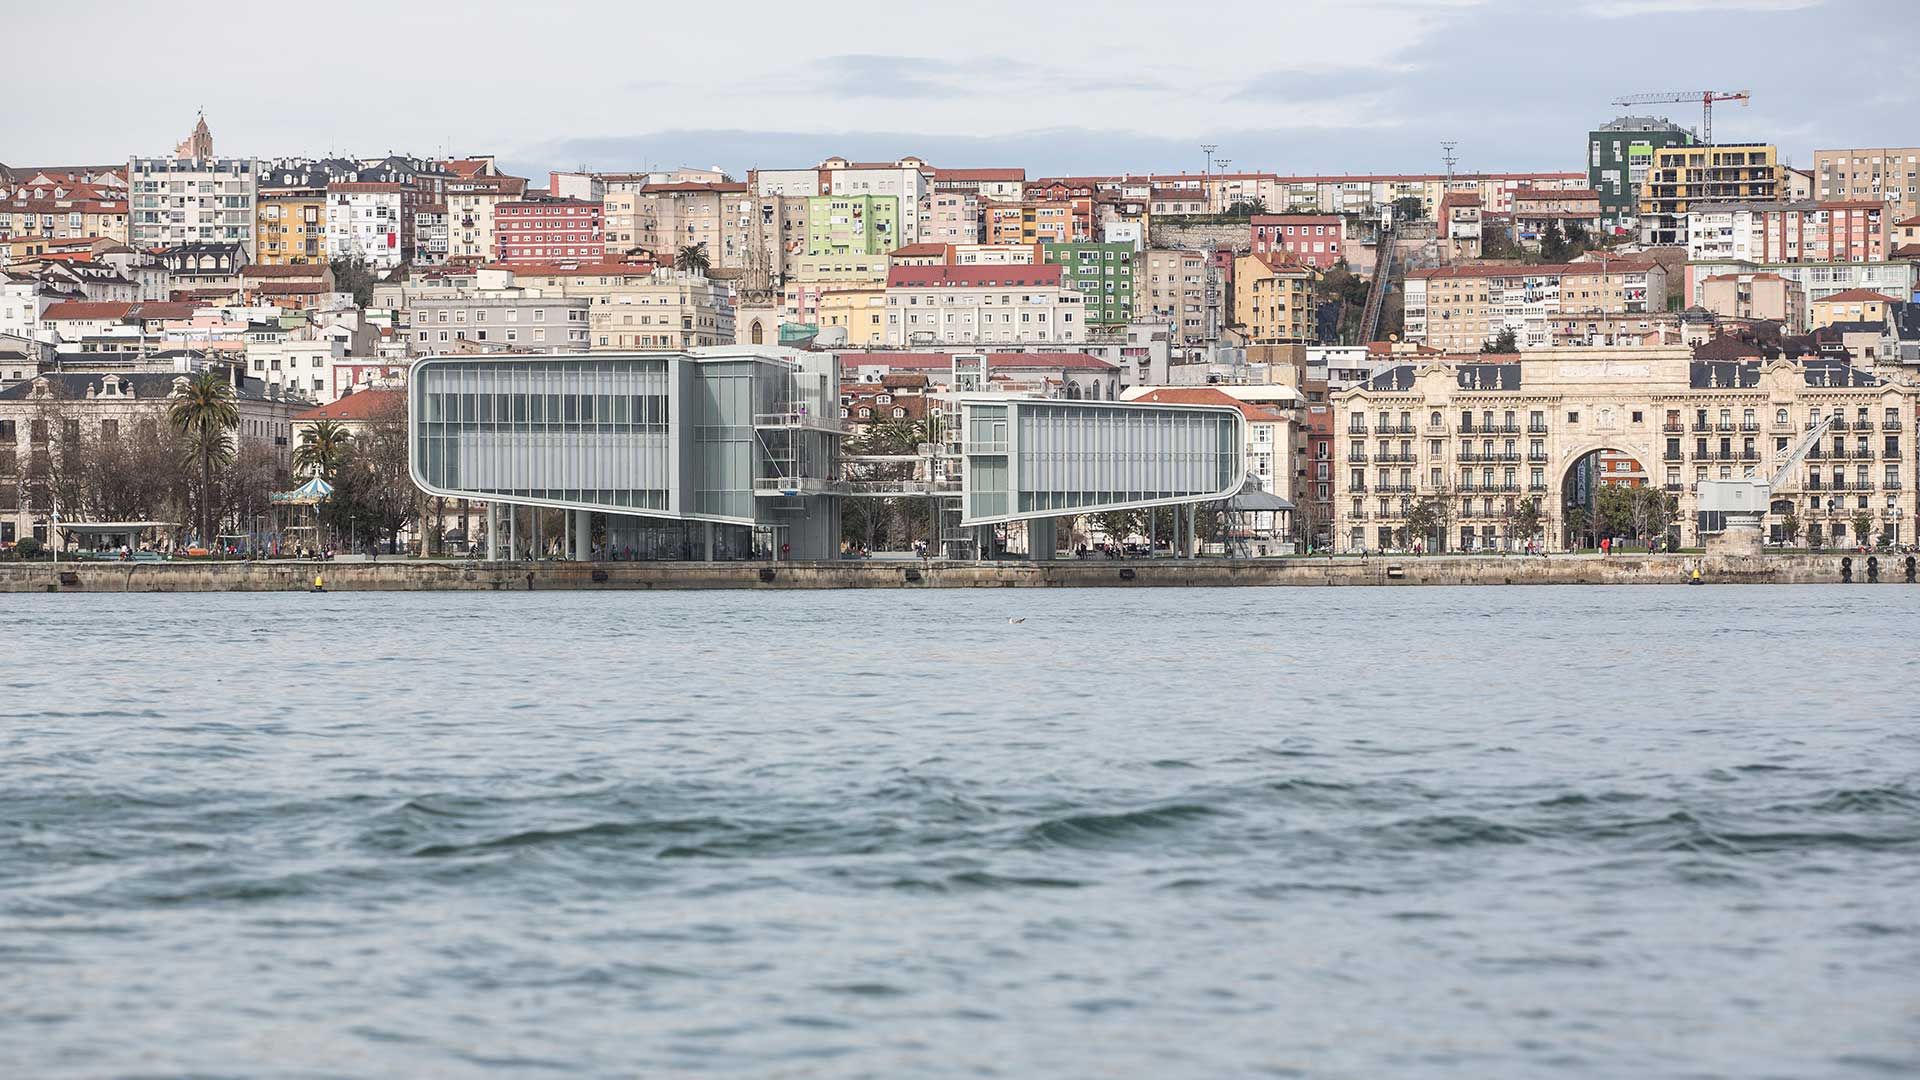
1853 230
1683 176
547 230
1101 273
1619 156
1886 174
973 305
1272 299
1460 308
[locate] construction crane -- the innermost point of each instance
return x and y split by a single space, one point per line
1706 98
1742 503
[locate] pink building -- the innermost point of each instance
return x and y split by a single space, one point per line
1318 240
548 230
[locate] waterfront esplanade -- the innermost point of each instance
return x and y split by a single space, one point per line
734 452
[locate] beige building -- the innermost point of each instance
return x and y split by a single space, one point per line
1754 296
632 307
1460 225
1272 299
1171 286
1474 439
1852 306
1684 176
1886 174
470 203
1460 308
862 313
758 234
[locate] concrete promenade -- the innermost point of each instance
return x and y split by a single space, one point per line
458 575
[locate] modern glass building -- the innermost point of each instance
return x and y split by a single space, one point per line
734 452
712 453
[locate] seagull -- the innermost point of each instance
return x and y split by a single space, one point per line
1021 619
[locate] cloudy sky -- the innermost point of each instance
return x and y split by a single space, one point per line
1296 86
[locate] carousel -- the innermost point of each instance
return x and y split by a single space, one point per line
301 506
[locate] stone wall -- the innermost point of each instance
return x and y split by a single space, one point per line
405 575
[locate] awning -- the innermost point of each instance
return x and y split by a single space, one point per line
1254 497
313 491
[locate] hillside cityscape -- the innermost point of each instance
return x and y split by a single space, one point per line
204 351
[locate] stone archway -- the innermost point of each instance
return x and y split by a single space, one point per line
1582 472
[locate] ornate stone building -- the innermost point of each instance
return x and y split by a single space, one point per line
1475 438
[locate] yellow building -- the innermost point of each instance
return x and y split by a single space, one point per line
1852 306
290 227
1682 176
861 312
1272 299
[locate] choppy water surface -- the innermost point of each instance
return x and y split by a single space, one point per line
1610 832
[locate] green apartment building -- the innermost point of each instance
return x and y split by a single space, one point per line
853 224
1104 275
1618 157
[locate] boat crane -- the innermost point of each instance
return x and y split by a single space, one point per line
1744 502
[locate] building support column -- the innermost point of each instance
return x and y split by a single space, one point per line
493 532
582 534
535 528
707 540
1153 531
1042 537
513 533
1193 531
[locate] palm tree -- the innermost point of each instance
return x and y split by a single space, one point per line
204 412
692 257
322 448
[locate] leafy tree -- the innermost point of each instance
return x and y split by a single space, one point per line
1863 528
1577 522
1790 527
204 413
1553 245
1119 525
1246 208
1613 510
692 257
1497 243
373 494
1654 511
322 447
1409 208
1429 518
881 523
1523 521
355 276
1506 341
1340 285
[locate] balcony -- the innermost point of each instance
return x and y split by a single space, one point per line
1536 485
1890 425
1360 487
1511 427
1889 485
1670 454
1725 425
1890 451
1673 487
1359 456
1749 455
1673 427
1702 426
1536 428
1356 429
1403 458
1536 455
1749 425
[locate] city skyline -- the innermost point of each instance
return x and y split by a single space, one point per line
1372 87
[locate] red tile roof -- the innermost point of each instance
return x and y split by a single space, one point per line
1207 395
287 270
1507 270
360 406
921 251
116 309
1014 275
695 185
982 175
919 361
291 288
577 269
1856 296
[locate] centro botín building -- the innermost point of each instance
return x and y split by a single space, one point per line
733 452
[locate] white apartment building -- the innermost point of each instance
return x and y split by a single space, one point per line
909 179
370 222
975 305
953 217
191 201
299 368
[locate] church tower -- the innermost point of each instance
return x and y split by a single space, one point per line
199 145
